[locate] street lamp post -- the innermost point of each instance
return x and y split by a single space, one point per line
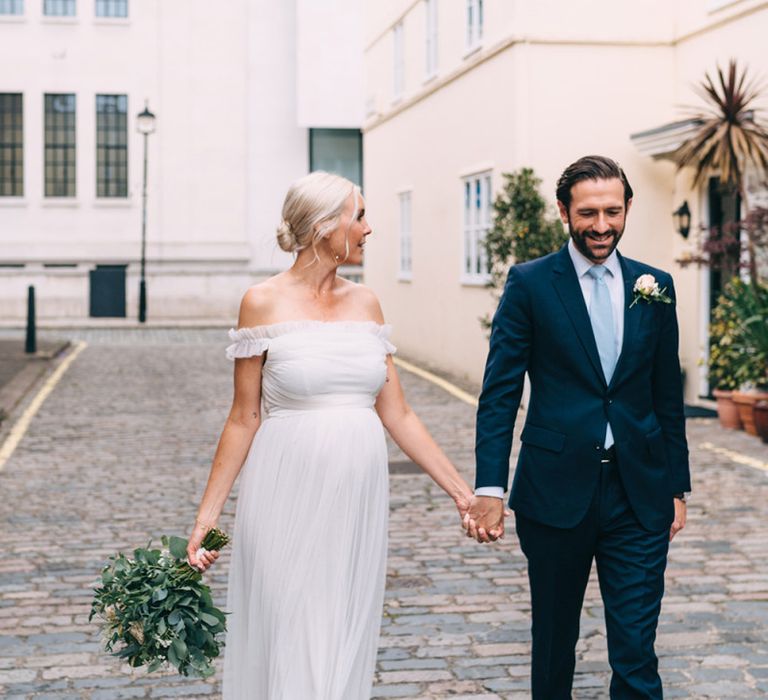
145 125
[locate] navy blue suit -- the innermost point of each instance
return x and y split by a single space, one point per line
569 506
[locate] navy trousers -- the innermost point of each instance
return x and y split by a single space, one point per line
630 568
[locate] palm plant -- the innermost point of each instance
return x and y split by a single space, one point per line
730 137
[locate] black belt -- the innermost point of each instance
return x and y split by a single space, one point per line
608 456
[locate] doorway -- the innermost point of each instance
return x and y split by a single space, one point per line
107 285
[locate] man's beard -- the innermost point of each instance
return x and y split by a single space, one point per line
579 239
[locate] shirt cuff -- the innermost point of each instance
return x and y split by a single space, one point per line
495 491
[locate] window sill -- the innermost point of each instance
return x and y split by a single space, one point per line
112 21
61 203
49 19
471 50
429 77
112 203
13 202
474 281
12 19
405 277
716 5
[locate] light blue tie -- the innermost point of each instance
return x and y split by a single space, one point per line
601 316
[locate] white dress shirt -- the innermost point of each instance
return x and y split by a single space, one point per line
614 280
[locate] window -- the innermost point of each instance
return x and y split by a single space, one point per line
338 151
474 23
477 220
111 146
59 8
431 38
59 145
399 56
406 256
11 7
11 145
111 8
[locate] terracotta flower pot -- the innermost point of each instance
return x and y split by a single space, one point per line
727 411
761 419
746 400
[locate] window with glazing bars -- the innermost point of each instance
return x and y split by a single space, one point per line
11 7
478 209
398 75
60 146
111 8
59 8
111 146
475 21
431 37
11 145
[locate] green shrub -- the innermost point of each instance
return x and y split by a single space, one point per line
735 359
523 229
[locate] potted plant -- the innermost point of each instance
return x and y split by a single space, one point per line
730 138
751 340
724 358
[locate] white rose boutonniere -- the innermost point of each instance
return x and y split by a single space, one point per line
647 288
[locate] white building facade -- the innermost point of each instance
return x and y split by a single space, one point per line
248 96
459 92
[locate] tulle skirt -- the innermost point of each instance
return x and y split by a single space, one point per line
306 583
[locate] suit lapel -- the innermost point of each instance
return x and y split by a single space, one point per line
567 286
631 318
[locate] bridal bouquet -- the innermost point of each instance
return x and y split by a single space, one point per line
155 609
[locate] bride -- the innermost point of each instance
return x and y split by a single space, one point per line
314 383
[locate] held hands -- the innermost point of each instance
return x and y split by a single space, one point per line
484 520
463 501
197 557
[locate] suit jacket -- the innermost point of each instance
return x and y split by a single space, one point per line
542 327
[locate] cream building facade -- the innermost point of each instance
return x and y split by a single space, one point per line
249 95
461 91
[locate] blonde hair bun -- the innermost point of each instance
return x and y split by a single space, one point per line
285 237
312 209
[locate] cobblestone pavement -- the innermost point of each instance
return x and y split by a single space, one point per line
120 451
19 370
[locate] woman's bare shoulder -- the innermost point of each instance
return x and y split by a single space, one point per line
365 300
258 303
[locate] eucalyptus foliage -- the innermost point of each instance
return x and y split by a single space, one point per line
154 608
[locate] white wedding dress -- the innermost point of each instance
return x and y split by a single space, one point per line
306 584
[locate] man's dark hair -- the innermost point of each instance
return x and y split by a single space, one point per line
590 168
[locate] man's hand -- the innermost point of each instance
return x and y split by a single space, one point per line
679 522
485 521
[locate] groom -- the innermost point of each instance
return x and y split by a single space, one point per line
603 466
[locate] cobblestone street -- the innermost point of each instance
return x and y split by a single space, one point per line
119 453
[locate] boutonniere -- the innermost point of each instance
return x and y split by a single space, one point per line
647 288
